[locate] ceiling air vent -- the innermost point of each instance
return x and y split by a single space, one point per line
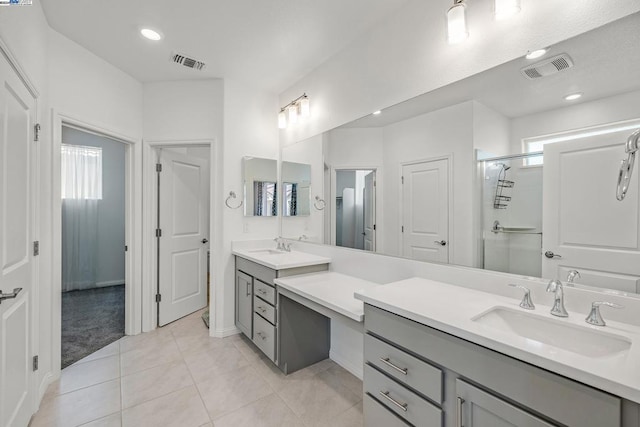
548 66
188 62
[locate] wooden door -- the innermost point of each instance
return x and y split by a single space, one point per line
184 224
584 225
425 211
17 216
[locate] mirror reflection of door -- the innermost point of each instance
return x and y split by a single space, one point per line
425 211
355 209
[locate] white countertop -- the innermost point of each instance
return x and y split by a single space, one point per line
450 309
332 290
279 260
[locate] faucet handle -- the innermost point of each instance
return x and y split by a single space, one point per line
594 317
526 302
571 276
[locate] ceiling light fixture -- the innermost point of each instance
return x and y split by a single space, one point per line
375 113
151 34
504 9
457 23
573 96
533 54
290 113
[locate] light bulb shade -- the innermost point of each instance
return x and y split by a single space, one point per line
282 120
457 23
304 107
506 8
292 110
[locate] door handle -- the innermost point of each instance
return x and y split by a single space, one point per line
11 295
205 240
550 254
440 242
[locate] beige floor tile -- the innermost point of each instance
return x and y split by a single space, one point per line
149 356
114 420
209 364
145 340
319 399
80 406
182 408
269 411
352 417
249 349
112 349
86 374
278 380
346 378
155 382
196 343
233 390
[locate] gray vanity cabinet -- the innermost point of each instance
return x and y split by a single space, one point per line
414 372
244 297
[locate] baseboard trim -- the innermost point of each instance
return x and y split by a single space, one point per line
223 333
355 369
47 380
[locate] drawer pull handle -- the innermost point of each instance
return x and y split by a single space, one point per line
262 309
262 291
387 362
459 412
402 406
261 335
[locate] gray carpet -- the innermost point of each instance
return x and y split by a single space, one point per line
91 319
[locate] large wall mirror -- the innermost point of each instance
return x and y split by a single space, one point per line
260 186
502 170
296 188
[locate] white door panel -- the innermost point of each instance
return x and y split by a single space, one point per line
425 210
17 195
184 221
370 212
583 222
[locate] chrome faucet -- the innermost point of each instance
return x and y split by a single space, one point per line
558 309
280 246
286 247
571 276
594 317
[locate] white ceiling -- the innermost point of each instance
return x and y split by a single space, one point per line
270 44
606 62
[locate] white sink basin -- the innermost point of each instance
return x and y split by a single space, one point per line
585 340
267 252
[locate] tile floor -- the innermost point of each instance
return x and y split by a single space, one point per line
179 376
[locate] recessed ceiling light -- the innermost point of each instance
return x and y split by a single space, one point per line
375 113
535 53
151 34
573 96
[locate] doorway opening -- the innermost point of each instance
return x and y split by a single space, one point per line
182 232
355 208
93 190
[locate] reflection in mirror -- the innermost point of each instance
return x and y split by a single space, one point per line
354 209
456 184
296 187
260 186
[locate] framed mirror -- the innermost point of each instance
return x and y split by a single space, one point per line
260 183
296 188
502 170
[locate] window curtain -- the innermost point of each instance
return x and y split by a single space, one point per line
259 196
265 202
81 169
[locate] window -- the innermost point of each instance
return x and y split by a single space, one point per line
81 172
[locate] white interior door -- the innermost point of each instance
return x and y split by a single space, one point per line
184 221
17 196
370 211
425 211
584 225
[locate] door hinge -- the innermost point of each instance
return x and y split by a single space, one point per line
126 248
402 179
36 132
158 232
35 363
374 227
36 248
374 183
158 167
158 297
402 229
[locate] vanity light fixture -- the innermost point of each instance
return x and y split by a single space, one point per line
573 96
457 22
533 54
290 113
151 34
375 113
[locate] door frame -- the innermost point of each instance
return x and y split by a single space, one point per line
332 195
133 215
450 228
149 207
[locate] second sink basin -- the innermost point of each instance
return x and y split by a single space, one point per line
581 340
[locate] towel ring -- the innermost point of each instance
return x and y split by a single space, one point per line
626 166
232 195
319 200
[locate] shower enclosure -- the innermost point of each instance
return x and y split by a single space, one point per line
512 213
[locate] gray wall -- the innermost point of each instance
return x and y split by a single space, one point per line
111 209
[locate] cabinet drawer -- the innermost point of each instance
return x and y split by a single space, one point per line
264 309
376 415
425 378
401 400
264 336
264 291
